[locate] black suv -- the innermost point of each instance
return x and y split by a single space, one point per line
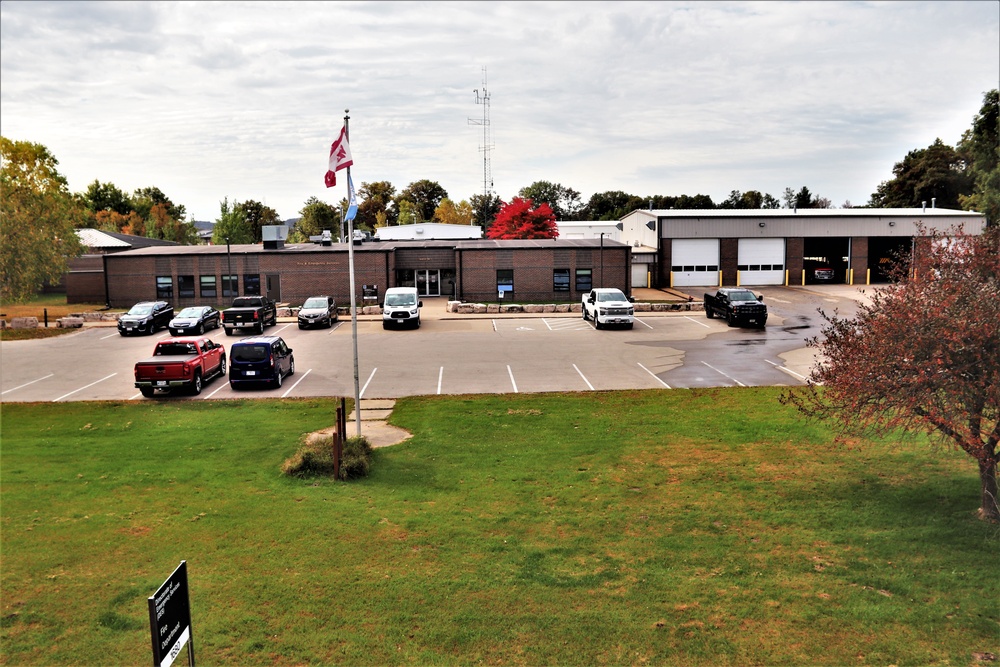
260 360
146 317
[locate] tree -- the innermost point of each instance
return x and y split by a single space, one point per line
751 199
685 202
451 213
564 202
485 209
257 216
610 205
923 355
425 194
803 199
38 217
518 220
936 172
375 198
107 197
980 147
409 213
231 225
144 199
316 216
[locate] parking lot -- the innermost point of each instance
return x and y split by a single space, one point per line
461 354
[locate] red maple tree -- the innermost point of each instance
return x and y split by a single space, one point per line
923 355
518 220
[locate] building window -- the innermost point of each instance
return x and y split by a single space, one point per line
251 284
560 280
185 287
505 282
584 280
230 285
164 288
208 287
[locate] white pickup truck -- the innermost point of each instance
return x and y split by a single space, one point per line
607 305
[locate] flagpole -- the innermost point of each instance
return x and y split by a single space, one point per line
354 305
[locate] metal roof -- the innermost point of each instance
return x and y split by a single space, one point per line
93 238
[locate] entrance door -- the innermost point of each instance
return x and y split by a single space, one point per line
274 287
428 282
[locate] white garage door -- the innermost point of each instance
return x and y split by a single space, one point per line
762 261
695 262
639 272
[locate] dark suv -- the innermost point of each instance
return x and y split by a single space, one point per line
146 317
260 360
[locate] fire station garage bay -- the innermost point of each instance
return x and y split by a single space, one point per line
856 246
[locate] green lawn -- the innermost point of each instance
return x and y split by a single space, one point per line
665 527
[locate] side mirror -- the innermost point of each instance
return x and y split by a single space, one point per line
760 297
631 299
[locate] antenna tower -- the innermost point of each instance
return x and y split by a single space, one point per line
483 98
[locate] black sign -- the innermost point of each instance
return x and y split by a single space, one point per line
170 619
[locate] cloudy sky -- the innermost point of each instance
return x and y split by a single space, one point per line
213 100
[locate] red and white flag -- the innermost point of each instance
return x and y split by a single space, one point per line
340 157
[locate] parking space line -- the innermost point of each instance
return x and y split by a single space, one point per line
111 336
511 374
82 388
584 378
688 317
26 384
224 383
790 372
362 392
723 374
440 376
289 390
642 323
654 376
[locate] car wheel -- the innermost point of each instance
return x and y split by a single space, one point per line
291 366
234 386
385 325
629 325
222 367
731 321
302 326
201 328
196 386
709 314
148 392
597 323
417 325
229 332
279 378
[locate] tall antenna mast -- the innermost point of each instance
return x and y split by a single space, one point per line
483 98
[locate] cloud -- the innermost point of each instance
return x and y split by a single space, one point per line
209 100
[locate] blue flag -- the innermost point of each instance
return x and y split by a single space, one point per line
352 200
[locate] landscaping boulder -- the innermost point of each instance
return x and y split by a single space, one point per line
24 323
69 322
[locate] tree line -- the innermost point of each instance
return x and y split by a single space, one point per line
39 213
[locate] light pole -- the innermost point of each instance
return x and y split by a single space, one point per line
229 276
602 259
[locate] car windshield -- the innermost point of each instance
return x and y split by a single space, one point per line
400 300
742 296
611 296
315 302
141 309
190 312
250 352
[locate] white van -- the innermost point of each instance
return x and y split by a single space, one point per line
401 307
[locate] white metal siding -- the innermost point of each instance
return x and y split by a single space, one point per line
762 261
695 262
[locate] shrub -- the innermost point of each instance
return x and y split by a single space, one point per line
357 458
313 459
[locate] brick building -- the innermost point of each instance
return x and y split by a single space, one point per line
527 271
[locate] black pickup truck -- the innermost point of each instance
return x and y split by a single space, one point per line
739 306
250 314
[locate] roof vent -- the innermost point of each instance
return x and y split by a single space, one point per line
924 204
933 202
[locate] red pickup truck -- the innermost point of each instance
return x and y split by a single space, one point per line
180 363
